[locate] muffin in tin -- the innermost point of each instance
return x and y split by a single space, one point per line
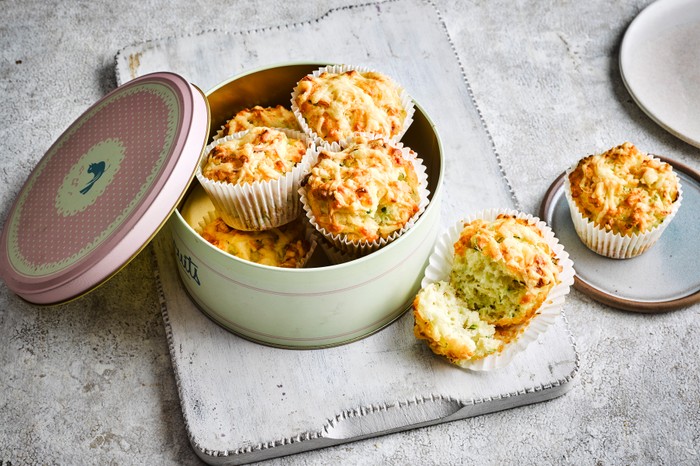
621 200
289 245
253 177
367 192
270 117
261 154
335 102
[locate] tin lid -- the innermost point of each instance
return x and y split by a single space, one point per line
104 189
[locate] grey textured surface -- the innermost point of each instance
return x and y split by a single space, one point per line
90 382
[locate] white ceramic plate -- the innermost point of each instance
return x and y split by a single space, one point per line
660 65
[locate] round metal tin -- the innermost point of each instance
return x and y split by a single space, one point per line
322 304
104 188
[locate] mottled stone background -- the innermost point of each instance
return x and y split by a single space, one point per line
90 382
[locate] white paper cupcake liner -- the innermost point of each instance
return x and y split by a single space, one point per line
359 248
614 245
262 204
309 235
406 101
219 134
440 265
335 255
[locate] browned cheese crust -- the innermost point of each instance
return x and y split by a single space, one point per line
624 190
262 154
284 246
336 105
271 117
365 192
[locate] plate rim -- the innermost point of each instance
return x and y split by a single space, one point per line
648 307
657 7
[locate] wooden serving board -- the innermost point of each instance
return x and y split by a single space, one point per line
244 402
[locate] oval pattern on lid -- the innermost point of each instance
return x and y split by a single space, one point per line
95 185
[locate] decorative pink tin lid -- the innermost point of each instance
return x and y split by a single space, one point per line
104 189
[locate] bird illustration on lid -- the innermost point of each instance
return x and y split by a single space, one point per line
97 170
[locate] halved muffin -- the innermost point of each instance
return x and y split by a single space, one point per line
449 327
503 269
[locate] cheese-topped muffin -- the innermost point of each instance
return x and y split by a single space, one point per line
495 281
624 190
270 117
284 246
503 269
336 105
261 154
364 192
253 177
450 328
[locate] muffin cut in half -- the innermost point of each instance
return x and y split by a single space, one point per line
503 269
449 327
494 283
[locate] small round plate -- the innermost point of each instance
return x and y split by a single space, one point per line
659 58
663 278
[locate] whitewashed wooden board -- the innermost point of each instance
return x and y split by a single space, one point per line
244 402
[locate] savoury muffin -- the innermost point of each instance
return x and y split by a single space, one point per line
261 154
625 195
368 191
285 246
463 286
253 177
450 328
624 190
270 117
503 269
334 105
